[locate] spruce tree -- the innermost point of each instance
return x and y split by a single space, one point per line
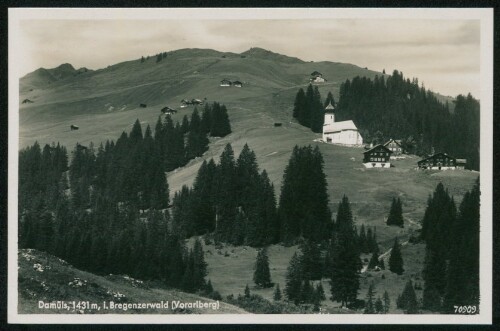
262 276
346 263
369 304
379 306
277 293
247 291
387 302
373 261
408 299
462 274
396 260
311 260
396 213
293 279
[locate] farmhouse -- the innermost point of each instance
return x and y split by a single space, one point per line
395 146
343 133
317 77
377 157
237 84
438 161
225 82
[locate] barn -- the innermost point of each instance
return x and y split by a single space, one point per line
342 133
377 157
168 111
438 161
225 82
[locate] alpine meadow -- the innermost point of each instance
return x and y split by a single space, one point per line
255 181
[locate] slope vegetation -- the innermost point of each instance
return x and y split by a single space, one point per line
46 278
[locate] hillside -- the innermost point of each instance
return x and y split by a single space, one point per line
46 278
105 102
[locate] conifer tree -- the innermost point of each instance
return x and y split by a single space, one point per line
262 276
379 306
373 261
396 260
408 299
311 260
363 240
462 274
299 108
369 304
320 292
293 279
277 293
329 99
199 265
387 302
395 214
247 291
346 263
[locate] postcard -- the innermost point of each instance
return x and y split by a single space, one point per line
223 165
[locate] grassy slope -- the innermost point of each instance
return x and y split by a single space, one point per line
267 97
53 284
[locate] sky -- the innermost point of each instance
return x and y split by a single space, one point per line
444 54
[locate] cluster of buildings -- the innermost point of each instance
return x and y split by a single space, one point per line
379 156
226 83
317 77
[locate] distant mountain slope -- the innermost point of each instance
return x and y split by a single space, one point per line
42 77
46 278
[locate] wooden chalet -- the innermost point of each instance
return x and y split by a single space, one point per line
438 161
377 157
395 146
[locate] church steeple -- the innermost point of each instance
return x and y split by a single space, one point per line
329 114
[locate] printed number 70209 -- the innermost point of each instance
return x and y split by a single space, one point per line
465 309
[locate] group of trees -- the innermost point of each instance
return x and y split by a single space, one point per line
308 108
303 203
367 240
105 212
379 306
299 287
233 199
451 271
399 108
159 57
180 143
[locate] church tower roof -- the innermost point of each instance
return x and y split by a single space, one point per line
329 108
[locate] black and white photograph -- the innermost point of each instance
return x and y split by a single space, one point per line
210 165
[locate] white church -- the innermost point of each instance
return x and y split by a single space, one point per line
342 133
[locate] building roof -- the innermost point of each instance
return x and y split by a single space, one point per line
316 73
397 141
225 80
329 108
378 146
237 82
339 126
434 155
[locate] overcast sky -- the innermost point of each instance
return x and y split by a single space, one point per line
443 54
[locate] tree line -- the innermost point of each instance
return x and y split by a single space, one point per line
105 211
395 107
451 271
232 199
